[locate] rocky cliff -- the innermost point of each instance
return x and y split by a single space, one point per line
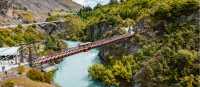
4 6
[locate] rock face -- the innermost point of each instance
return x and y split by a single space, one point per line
105 30
45 6
53 28
96 31
4 6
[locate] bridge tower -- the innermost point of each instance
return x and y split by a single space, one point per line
30 57
22 54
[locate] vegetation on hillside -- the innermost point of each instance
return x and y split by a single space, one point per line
75 29
167 54
29 35
168 50
25 16
12 37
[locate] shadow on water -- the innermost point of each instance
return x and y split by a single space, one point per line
95 84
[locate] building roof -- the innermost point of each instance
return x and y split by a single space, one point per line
6 51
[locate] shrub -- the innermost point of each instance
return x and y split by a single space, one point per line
21 69
48 77
37 75
8 84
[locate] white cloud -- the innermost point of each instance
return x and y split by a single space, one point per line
81 2
91 3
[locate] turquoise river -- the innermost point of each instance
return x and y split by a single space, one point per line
73 70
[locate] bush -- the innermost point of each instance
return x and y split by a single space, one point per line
37 75
48 77
8 84
21 69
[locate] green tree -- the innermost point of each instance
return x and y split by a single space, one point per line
37 75
1 43
51 43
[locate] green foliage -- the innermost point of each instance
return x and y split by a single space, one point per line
48 77
1 43
37 75
189 81
51 43
26 16
29 35
168 52
9 83
54 44
99 72
21 69
117 71
53 18
172 70
12 37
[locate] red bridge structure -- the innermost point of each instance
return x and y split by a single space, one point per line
81 48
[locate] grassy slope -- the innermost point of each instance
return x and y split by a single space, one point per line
25 82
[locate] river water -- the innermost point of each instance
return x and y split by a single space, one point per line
73 70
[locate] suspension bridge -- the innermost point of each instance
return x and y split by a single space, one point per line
81 48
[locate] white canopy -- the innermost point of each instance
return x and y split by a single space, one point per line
9 51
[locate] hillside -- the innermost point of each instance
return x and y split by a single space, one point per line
25 82
13 11
45 6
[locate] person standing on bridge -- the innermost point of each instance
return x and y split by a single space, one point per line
3 68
